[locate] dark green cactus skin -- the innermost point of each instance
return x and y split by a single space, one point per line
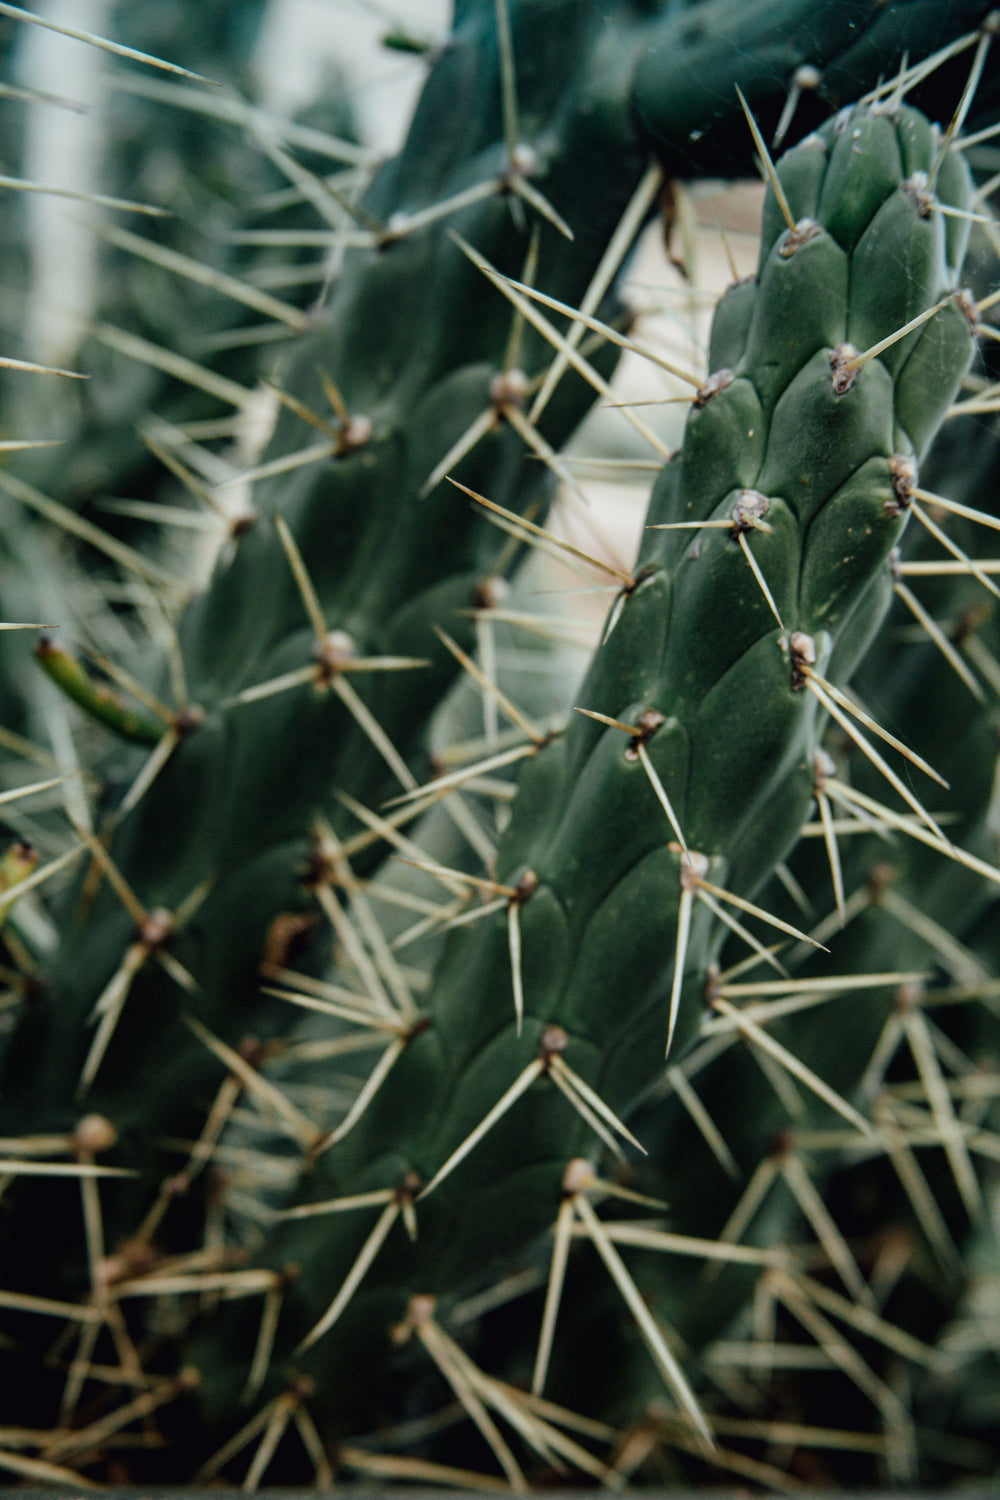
694 638
685 84
412 339
961 739
236 802
384 565
384 562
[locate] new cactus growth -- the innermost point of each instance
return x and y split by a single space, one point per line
669 1005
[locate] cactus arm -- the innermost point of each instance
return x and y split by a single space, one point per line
607 889
685 86
914 941
477 1108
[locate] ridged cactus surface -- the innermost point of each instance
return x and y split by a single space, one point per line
706 973
819 454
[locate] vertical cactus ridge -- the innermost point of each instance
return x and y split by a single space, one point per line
908 975
330 1128
382 565
628 833
753 1160
383 560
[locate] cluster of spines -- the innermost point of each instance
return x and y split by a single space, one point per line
518 894
594 826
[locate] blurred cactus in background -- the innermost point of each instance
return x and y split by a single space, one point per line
362 954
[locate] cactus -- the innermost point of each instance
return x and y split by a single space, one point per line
227 872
